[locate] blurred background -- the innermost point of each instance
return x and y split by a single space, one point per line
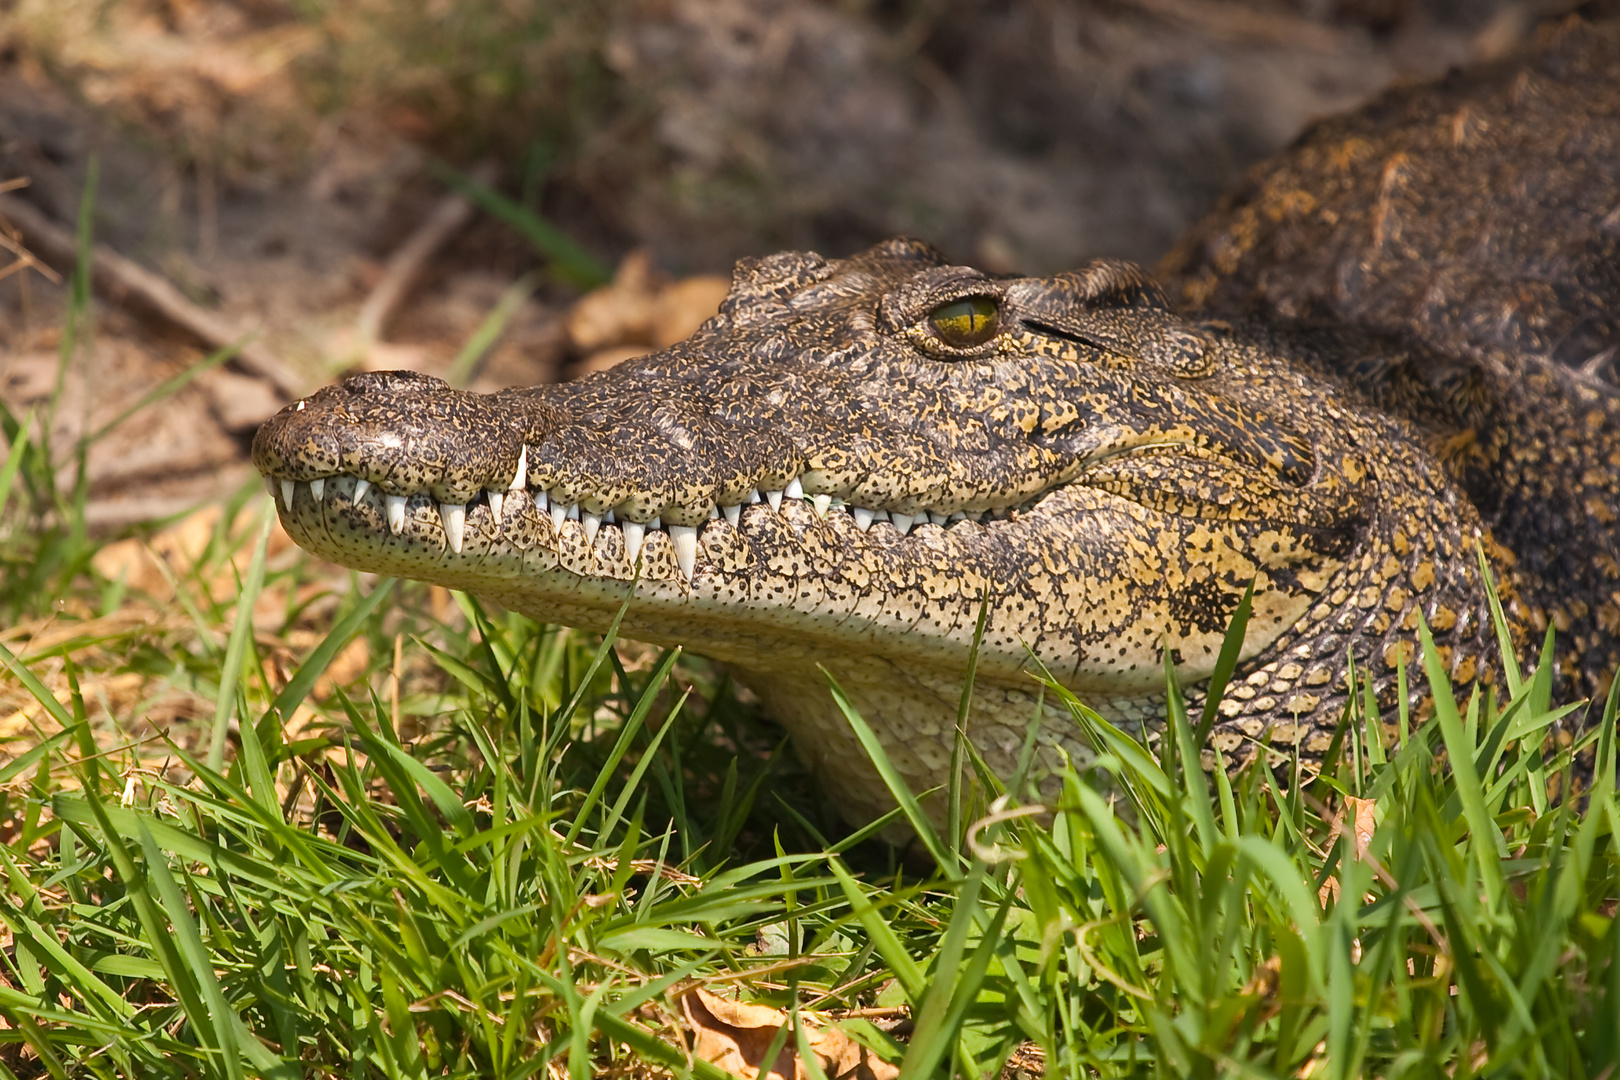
326 185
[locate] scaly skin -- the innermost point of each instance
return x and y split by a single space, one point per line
820 479
1478 218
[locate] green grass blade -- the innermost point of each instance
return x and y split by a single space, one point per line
909 806
16 454
1488 845
236 650
315 664
569 261
233 1042
1225 663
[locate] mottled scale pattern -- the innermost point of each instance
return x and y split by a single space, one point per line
824 480
1475 226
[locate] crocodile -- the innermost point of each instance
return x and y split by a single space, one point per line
865 468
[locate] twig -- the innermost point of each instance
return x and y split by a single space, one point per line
128 283
407 261
13 244
1229 21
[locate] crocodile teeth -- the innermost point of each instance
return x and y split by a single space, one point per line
520 478
684 537
270 486
573 511
634 531
541 500
794 489
775 499
454 516
821 503
287 489
656 523
559 514
396 512
753 496
714 513
497 503
937 518
864 518
360 489
591 522
733 515
317 488
954 518
902 522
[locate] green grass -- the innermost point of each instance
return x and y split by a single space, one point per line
497 849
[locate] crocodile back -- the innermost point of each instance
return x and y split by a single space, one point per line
1475 223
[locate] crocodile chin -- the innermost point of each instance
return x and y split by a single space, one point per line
854 458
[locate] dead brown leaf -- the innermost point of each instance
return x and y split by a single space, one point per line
641 310
735 1036
1360 817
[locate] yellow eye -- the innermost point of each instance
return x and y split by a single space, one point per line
966 323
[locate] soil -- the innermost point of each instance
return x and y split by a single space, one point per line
1023 136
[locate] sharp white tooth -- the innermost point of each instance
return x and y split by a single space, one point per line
902 522
863 518
520 478
592 522
270 486
497 503
610 518
633 533
821 503
714 513
657 522
733 515
542 501
753 496
559 514
775 499
317 488
454 516
937 519
395 506
287 489
794 489
573 511
954 518
360 489
684 537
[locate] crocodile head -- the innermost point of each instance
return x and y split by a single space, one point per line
856 457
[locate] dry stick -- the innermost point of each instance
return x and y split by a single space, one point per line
1228 20
128 283
405 265
13 243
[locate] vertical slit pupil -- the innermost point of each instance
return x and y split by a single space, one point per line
966 323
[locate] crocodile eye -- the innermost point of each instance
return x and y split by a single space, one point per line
966 323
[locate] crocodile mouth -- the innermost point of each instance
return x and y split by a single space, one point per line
518 510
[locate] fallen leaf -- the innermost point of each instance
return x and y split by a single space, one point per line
1360 816
682 307
735 1036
